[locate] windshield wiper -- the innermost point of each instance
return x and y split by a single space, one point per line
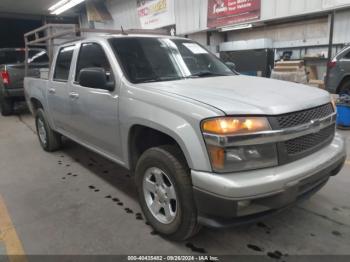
206 73
158 79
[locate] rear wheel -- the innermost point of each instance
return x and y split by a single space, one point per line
6 105
49 140
344 89
165 192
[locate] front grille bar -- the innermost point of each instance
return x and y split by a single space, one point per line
273 136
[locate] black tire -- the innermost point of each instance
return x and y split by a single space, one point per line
170 160
6 105
53 139
345 88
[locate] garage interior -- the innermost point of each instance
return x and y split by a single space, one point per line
75 202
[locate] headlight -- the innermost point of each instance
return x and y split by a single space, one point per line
235 125
232 159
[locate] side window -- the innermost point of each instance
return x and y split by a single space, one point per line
63 64
92 55
347 56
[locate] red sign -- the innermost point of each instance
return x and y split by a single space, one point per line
229 12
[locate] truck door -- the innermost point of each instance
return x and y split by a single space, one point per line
59 88
95 111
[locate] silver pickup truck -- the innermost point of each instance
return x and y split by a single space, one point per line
207 146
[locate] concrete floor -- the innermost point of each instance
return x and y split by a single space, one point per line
62 203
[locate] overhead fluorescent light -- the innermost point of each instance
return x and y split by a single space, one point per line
58 4
236 27
63 6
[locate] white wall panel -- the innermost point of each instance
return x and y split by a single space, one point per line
312 5
190 16
124 14
342 27
272 9
199 37
334 3
303 31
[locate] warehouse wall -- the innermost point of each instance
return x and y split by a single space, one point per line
124 13
313 32
272 9
297 33
342 27
191 15
191 20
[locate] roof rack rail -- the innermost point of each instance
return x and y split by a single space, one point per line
45 35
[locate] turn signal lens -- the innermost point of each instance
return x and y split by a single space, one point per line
235 125
217 156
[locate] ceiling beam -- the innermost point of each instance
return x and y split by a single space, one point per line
20 16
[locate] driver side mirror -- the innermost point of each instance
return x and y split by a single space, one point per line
95 77
231 65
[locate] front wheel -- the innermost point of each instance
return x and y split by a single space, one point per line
165 192
49 140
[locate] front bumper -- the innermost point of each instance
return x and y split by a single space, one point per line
228 199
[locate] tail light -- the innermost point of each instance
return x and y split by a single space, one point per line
332 64
5 77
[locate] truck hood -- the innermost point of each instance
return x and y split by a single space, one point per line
239 95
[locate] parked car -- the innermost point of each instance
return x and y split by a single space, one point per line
338 80
12 74
207 146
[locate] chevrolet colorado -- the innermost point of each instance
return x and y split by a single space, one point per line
207 146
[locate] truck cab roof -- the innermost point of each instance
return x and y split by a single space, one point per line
104 37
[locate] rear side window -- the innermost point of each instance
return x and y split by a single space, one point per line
63 63
347 56
17 56
92 55
38 57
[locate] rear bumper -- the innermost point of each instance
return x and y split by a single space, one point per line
331 88
13 92
226 200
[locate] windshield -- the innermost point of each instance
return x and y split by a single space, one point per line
17 56
147 59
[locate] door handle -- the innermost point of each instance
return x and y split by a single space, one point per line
52 91
74 95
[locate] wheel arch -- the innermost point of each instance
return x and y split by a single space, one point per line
345 79
142 137
35 104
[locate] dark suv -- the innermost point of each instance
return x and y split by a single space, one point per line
12 74
338 80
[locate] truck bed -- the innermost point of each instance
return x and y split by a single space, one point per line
35 88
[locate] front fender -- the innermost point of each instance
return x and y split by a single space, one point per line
185 136
172 116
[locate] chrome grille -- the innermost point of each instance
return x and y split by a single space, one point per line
304 143
303 117
303 146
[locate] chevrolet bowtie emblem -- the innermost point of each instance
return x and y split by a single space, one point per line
316 123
